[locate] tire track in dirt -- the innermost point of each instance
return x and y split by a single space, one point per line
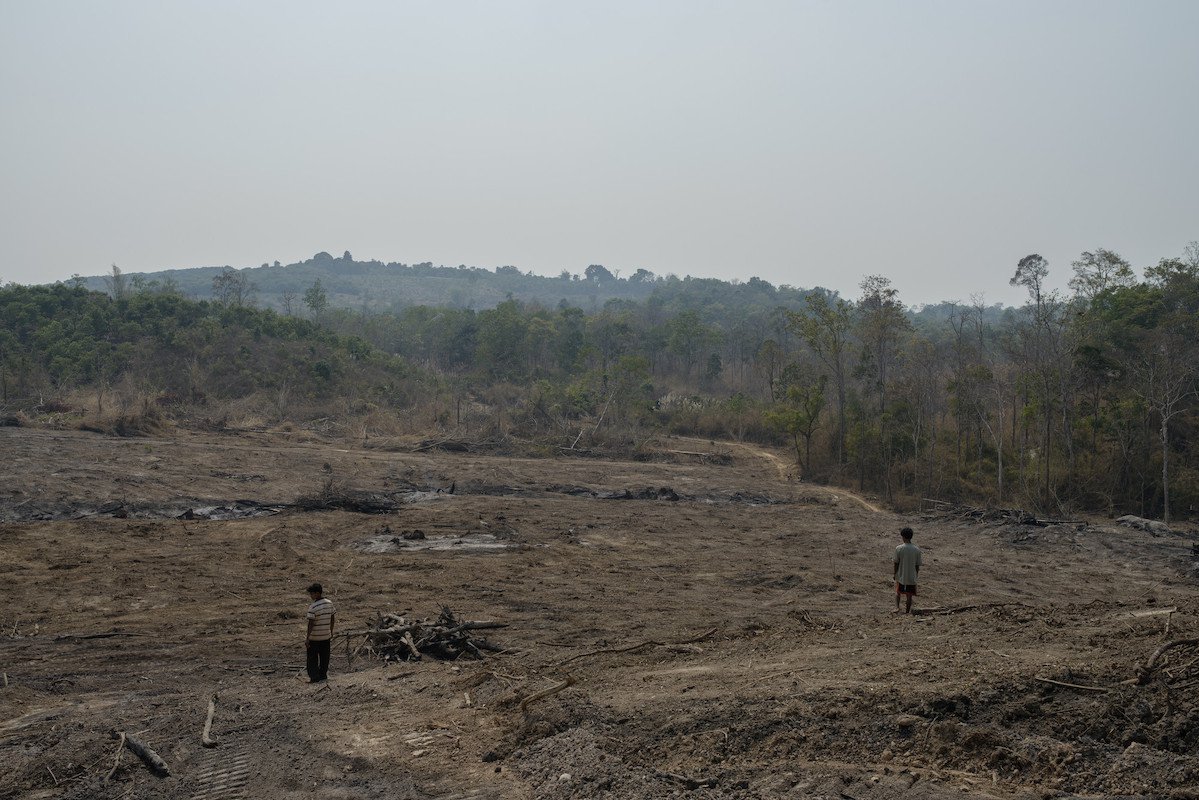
783 470
421 740
223 778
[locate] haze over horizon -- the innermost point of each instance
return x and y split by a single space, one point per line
804 143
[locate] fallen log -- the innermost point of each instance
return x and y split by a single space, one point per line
148 756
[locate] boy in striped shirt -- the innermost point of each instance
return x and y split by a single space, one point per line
321 616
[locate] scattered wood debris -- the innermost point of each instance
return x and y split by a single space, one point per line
396 638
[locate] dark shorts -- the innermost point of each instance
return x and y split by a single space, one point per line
904 588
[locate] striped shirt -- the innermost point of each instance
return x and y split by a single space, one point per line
320 614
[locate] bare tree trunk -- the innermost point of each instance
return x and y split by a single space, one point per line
1048 434
999 452
1165 434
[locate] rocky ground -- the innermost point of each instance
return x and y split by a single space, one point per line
713 629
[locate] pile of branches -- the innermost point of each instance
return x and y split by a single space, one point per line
333 496
490 444
392 637
1003 516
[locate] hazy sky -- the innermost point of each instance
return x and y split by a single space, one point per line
809 143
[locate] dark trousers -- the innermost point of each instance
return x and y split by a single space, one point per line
318 660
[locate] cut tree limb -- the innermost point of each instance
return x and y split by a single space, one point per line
544 693
407 639
690 783
638 646
478 626
699 638
1153 612
206 738
116 759
628 649
1152 662
110 634
148 756
1072 685
1144 672
960 609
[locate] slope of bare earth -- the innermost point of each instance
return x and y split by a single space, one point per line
737 641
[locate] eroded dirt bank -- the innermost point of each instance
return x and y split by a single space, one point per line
734 640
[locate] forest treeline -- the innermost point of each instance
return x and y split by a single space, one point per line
1087 400
154 347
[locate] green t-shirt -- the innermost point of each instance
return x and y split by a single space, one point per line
908 557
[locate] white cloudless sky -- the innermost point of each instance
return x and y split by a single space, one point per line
807 143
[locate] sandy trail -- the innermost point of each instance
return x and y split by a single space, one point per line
785 470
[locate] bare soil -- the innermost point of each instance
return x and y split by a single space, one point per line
738 641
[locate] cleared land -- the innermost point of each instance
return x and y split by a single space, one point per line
735 642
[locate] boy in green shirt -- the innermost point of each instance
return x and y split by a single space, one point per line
905 569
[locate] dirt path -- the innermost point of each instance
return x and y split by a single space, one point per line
785 470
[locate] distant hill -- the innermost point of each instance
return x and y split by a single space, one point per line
379 286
